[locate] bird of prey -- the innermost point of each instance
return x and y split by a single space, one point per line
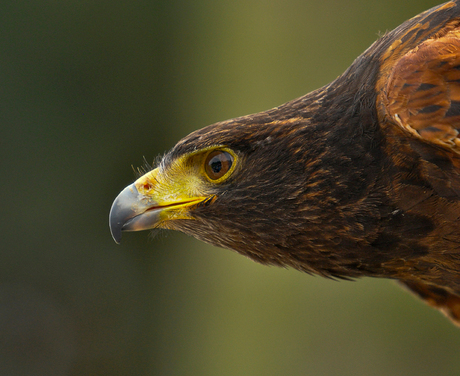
358 178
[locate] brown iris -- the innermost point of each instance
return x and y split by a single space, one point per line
217 164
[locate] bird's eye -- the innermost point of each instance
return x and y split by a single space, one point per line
217 164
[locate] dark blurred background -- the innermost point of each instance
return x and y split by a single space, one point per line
88 88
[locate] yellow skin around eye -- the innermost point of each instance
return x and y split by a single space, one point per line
184 184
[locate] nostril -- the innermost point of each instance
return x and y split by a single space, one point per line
147 186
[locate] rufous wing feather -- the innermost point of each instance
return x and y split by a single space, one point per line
422 94
437 297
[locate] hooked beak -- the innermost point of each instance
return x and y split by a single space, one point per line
132 211
140 206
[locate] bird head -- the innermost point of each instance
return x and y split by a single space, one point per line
226 184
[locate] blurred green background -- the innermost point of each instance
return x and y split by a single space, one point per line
88 88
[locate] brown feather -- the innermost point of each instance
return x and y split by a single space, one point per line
423 91
359 178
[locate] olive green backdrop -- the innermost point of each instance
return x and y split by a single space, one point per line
87 89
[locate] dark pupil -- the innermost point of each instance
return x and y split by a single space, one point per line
216 165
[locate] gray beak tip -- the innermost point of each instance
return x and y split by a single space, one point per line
131 211
115 226
121 211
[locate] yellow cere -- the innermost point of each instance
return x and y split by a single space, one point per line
183 184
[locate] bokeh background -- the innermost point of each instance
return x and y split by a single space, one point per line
87 89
